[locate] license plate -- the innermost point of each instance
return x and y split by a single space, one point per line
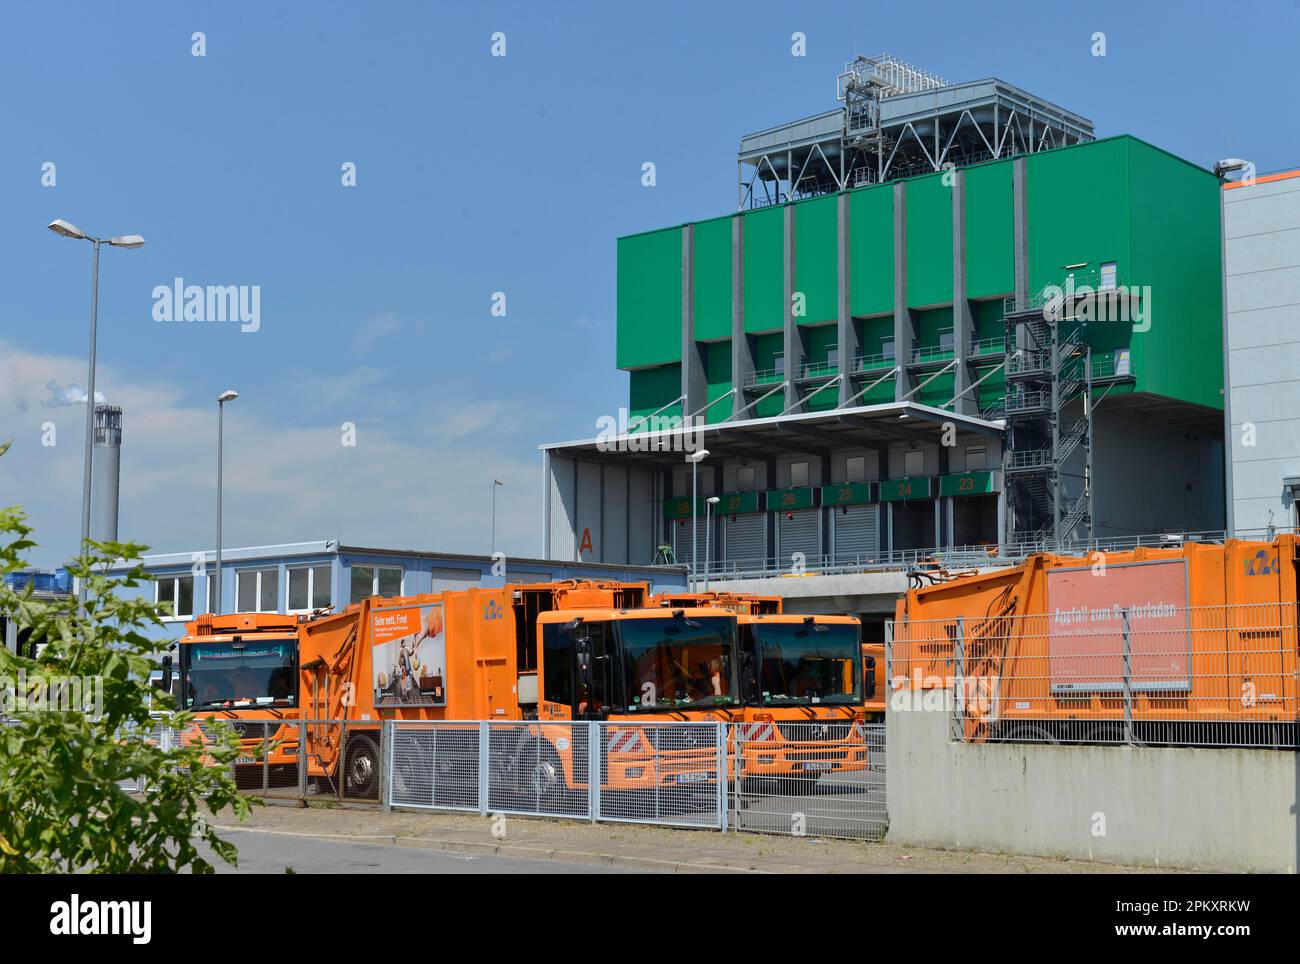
245 759
697 777
818 765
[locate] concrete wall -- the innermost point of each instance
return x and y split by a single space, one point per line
1222 810
1262 245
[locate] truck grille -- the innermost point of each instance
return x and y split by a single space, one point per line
815 731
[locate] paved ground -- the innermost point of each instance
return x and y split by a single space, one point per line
271 853
331 839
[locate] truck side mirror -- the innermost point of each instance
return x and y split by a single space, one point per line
869 677
165 684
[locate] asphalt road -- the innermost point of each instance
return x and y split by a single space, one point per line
271 853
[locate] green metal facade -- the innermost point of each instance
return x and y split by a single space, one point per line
1120 200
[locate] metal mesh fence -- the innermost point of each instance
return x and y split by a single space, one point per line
539 768
434 765
662 773
821 778
1222 676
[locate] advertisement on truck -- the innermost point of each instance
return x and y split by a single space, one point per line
1086 608
409 656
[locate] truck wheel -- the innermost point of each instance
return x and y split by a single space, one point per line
546 780
1028 733
361 777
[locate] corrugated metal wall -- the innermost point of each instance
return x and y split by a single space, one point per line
561 495
744 537
615 516
587 528
799 531
643 512
855 532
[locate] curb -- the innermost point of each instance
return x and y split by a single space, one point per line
511 850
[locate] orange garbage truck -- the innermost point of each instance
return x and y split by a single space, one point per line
1184 645
804 687
549 653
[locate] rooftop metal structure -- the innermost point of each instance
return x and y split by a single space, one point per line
897 120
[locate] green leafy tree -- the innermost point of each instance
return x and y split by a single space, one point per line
61 806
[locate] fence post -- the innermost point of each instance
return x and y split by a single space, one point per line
959 679
1128 682
302 760
593 770
386 764
483 768
889 655
721 781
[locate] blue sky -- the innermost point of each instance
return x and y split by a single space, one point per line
475 174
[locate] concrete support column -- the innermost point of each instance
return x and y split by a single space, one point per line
742 354
793 345
695 385
847 332
963 319
904 332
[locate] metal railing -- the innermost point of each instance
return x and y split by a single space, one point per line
875 362
988 346
821 369
1139 675
765 376
981 555
820 778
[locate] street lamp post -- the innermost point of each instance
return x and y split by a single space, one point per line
709 503
495 484
226 396
67 230
695 458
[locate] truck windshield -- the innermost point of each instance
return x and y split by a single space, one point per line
798 664
232 675
678 662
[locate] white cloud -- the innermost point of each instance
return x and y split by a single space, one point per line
420 477
377 328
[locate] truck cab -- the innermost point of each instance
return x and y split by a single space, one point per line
803 684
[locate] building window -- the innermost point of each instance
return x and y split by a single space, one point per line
855 468
798 474
376 581
913 463
1108 278
887 347
256 590
976 457
778 364
833 356
309 588
745 479
177 592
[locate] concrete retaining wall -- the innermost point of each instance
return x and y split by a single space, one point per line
1223 810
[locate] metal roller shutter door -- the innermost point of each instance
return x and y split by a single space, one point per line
800 532
745 537
856 531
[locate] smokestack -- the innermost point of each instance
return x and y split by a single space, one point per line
107 472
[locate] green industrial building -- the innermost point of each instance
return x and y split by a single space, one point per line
1020 345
